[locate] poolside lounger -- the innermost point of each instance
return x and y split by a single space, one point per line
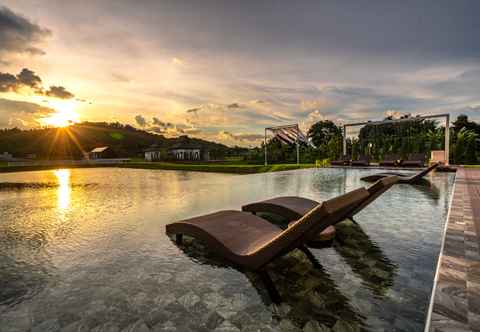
361 161
294 207
344 161
391 160
402 178
251 242
414 160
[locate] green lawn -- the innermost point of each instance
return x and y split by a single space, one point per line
219 168
203 167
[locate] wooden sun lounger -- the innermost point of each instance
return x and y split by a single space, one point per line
250 242
361 161
402 178
391 160
344 161
294 207
414 160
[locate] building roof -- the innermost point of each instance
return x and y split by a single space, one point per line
185 146
153 148
99 149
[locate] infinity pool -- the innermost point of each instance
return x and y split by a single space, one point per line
85 249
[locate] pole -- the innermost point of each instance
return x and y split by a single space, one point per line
447 139
265 144
298 146
344 140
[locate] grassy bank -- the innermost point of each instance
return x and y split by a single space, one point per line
216 168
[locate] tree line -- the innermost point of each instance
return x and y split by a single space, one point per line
411 135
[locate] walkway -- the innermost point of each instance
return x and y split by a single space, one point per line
456 304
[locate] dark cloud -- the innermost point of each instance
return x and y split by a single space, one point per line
429 29
234 105
19 35
157 122
241 137
194 110
21 114
141 121
28 79
59 92
8 82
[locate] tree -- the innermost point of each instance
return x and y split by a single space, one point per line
323 131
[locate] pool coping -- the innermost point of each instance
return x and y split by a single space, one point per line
454 304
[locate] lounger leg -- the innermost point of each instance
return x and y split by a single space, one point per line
272 291
339 240
179 238
311 257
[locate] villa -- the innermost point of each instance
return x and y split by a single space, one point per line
188 152
102 152
153 153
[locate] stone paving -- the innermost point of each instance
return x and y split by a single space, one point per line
456 302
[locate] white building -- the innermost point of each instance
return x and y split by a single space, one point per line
102 152
5 156
153 153
187 152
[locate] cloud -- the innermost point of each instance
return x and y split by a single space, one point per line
241 137
119 77
27 79
141 121
193 110
8 82
59 92
156 121
463 85
19 35
22 114
178 61
234 105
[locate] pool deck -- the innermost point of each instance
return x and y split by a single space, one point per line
456 299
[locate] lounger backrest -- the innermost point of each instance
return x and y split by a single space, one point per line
375 190
392 157
424 172
328 213
416 156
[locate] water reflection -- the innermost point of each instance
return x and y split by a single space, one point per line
310 296
63 192
365 257
86 249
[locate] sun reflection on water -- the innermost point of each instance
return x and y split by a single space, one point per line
63 193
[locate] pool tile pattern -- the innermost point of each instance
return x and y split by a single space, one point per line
456 304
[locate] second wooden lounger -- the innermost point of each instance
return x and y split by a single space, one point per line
250 242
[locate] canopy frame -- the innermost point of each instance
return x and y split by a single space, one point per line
297 143
418 117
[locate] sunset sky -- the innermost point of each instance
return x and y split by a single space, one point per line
224 70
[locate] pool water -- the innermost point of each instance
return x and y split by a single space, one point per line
85 249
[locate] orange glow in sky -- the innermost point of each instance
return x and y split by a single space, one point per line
64 116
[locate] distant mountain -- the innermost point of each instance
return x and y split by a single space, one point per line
69 143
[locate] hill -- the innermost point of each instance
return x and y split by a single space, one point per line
70 142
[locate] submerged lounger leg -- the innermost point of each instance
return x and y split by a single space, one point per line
310 256
272 291
179 238
353 220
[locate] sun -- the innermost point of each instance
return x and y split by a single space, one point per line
64 115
